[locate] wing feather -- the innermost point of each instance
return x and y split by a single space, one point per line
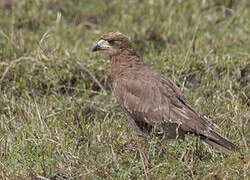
151 98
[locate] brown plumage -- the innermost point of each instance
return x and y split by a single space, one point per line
151 102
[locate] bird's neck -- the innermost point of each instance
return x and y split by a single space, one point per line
123 62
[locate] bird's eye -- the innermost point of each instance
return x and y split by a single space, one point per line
110 41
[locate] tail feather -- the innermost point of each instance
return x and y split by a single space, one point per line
220 143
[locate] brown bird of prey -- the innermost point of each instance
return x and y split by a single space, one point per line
152 102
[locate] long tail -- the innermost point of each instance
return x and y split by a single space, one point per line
220 143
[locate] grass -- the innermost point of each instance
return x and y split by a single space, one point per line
58 117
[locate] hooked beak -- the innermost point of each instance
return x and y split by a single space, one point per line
101 45
95 48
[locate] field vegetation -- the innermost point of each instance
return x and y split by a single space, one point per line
59 118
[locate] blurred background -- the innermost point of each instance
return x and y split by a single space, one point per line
58 117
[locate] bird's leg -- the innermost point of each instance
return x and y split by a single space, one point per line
177 131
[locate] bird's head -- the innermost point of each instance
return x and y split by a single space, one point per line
113 43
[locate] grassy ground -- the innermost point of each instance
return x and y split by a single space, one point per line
58 117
